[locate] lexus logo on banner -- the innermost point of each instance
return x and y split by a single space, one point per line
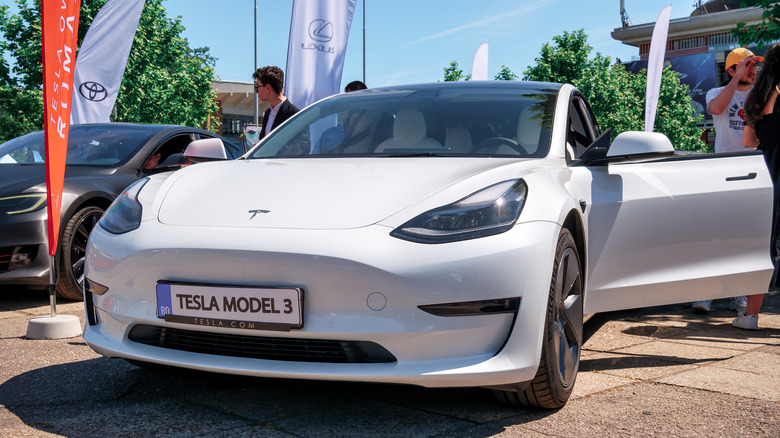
93 91
321 30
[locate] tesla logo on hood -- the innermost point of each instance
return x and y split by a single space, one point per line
256 212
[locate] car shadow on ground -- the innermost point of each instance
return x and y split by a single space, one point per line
110 396
14 298
677 323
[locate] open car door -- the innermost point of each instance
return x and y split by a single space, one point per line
665 228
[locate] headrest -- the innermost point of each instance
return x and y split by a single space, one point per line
409 125
528 129
458 139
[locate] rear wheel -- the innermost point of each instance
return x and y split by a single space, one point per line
562 343
73 248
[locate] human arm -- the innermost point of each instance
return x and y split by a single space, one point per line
749 139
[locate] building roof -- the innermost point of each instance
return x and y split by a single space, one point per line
698 24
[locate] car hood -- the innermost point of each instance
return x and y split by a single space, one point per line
17 178
20 178
308 193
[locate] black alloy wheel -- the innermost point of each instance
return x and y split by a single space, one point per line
563 335
73 248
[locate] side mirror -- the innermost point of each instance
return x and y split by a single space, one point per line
207 149
635 144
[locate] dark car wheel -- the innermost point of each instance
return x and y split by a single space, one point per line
562 343
73 246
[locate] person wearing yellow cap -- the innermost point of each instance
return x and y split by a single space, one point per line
726 104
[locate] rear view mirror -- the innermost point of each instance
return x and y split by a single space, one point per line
207 149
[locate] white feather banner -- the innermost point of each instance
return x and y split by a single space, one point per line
479 69
655 62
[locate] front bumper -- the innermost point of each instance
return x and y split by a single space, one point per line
24 234
339 271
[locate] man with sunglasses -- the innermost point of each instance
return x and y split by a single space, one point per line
269 83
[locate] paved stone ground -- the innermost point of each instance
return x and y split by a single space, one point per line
661 371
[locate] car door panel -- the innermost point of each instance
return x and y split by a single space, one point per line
676 230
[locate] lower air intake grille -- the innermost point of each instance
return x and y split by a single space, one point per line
286 349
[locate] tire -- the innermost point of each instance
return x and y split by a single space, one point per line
73 246
563 334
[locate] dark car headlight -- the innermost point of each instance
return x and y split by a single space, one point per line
492 210
124 214
19 204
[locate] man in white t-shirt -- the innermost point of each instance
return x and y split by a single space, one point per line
726 104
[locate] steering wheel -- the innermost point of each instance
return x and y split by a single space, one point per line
498 141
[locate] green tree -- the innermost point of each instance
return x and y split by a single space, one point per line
165 80
563 62
454 74
505 74
767 31
21 108
617 96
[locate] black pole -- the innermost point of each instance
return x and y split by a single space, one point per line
52 286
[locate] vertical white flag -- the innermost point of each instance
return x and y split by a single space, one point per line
655 62
101 60
479 69
319 30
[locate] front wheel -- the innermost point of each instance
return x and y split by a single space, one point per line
562 343
73 248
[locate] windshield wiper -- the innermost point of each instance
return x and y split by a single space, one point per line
414 154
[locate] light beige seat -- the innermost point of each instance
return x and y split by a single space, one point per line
528 130
458 140
409 132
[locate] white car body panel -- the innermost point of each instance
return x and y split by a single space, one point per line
316 261
325 193
663 261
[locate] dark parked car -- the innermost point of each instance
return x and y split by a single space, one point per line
102 160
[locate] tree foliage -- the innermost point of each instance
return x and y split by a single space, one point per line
505 74
617 96
454 74
767 31
165 80
562 62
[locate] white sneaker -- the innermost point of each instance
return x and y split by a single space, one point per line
702 306
739 304
747 322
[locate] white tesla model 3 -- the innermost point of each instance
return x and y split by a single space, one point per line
443 235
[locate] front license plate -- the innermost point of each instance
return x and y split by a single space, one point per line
231 307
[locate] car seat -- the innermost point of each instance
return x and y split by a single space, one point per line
409 132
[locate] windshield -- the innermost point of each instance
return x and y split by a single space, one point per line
436 120
87 145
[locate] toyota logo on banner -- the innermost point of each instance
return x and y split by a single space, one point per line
321 30
93 91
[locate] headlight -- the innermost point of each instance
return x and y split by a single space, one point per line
19 204
489 211
124 214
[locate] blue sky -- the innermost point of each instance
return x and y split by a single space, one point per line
410 41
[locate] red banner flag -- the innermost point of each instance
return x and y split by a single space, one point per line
59 28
